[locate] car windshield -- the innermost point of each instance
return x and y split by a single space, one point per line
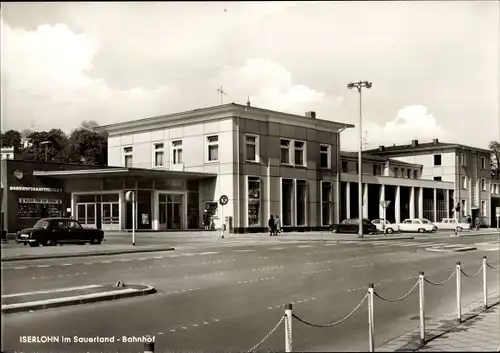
43 224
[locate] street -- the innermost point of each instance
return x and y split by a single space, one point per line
229 295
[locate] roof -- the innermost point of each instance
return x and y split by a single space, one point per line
120 172
427 146
372 157
225 108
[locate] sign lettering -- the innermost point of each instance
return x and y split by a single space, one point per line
34 188
42 201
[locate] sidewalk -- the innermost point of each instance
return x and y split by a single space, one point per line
479 334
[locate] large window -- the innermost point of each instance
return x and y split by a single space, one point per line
326 203
159 152
177 152
483 184
437 159
128 156
299 153
464 182
285 146
464 160
325 156
344 167
287 202
301 202
483 163
213 148
464 208
254 201
483 208
252 148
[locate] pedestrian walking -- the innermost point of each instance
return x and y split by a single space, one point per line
272 226
478 223
206 220
277 226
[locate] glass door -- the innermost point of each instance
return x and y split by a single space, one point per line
110 216
86 214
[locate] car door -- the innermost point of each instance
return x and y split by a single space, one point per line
59 231
416 224
76 231
406 225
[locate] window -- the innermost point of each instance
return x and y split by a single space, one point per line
74 225
403 172
415 174
464 208
464 182
377 170
483 208
299 149
409 173
285 151
464 160
396 172
438 178
496 189
437 159
301 198
357 168
483 163
326 203
483 184
61 225
254 201
325 159
128 156
252 148
158 158
344 166
177 152
213 148
287 202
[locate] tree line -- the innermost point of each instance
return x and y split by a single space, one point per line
82 146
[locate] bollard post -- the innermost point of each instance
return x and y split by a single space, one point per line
422 311
288 328
485 283
149 347
370 318
459 287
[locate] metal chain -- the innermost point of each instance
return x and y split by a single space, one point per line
398 299
474 275
336 322
491 266
440 283
267 336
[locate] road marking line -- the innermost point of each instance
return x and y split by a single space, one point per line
195 325
66 264
184 327
142 258
158 257
125 260
51 291
216 320
160 333
85 273
269 307
43 266
59 275
172 330
90 263
205 323
20 267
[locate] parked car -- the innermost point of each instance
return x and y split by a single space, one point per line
420 225
53 231
351 225
452 223
385 226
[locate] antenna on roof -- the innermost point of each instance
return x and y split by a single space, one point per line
222 94
248 104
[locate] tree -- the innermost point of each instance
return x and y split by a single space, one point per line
89 125
56 148
495 157
12 138
87 147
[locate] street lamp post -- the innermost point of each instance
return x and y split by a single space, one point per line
359 85
46 143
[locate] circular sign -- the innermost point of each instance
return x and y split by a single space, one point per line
223 200
18 174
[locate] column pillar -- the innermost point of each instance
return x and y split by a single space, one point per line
434 205
412 202
447 195
382 198
365 200
348 199
397 204
421 202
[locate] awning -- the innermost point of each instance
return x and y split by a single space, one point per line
121 172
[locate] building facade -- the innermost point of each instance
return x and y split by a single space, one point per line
7 153
467 168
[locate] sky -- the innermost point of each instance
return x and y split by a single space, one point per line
434 66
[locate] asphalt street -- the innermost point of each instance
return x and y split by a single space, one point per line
229 295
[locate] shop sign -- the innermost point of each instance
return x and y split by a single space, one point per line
42 201
34 188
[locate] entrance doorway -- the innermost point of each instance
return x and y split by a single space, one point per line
171 211
86 214
110 216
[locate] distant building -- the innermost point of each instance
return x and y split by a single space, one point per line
7 152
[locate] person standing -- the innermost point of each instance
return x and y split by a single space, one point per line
277 226
272 226
206 220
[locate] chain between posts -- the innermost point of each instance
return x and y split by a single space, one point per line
336 322
267 336
398 299
474 275
492 267
440 283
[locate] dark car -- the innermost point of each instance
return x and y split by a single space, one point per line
53 231
351 225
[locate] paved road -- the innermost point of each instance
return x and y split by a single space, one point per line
229 295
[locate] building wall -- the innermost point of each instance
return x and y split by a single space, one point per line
446 170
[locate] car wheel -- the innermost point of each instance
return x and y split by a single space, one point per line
389 231
421 230
50 242
96 241
459 229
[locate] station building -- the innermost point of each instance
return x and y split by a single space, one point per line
265 162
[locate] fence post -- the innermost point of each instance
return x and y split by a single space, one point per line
149 347
459 287
485 283
370 318
422 311
288 328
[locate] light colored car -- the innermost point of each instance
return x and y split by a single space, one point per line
452 223
388 227
420 225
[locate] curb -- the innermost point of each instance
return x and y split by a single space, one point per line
468 248
76 300
62 256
